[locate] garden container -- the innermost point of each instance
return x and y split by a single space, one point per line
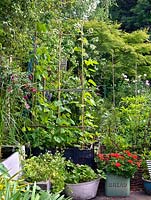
147 186
44 185
34 151
80 156
13 164
82 191
117 186
8 150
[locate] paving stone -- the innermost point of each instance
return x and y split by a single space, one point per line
138 195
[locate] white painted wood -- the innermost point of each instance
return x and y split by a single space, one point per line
149 167
13 164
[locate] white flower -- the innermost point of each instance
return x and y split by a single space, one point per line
147 82
139 76
124 75
134 81
92 46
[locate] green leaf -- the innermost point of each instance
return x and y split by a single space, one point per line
89 115
92 70
87 94
33 192
92 82
41 27
72 122
29 129
85 41
67 109
77 49
91 62
4 170
23 129
91 102
57 103
57 139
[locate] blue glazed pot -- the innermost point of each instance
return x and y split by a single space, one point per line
147 186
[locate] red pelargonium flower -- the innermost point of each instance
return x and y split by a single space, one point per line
128 153
134 156
121 157
130 161
101 156
123 163
106 159
138 164
116 155
117 164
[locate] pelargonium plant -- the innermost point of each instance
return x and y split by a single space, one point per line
123 164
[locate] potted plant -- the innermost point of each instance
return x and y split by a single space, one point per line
17 189
44 168
146 183
146 163
119 168
81 181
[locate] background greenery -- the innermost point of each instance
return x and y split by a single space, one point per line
102 94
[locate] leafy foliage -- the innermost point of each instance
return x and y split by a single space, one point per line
64 105
14 190
18 189
123 164
127 126
132 14
16 88
46 167
79 173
